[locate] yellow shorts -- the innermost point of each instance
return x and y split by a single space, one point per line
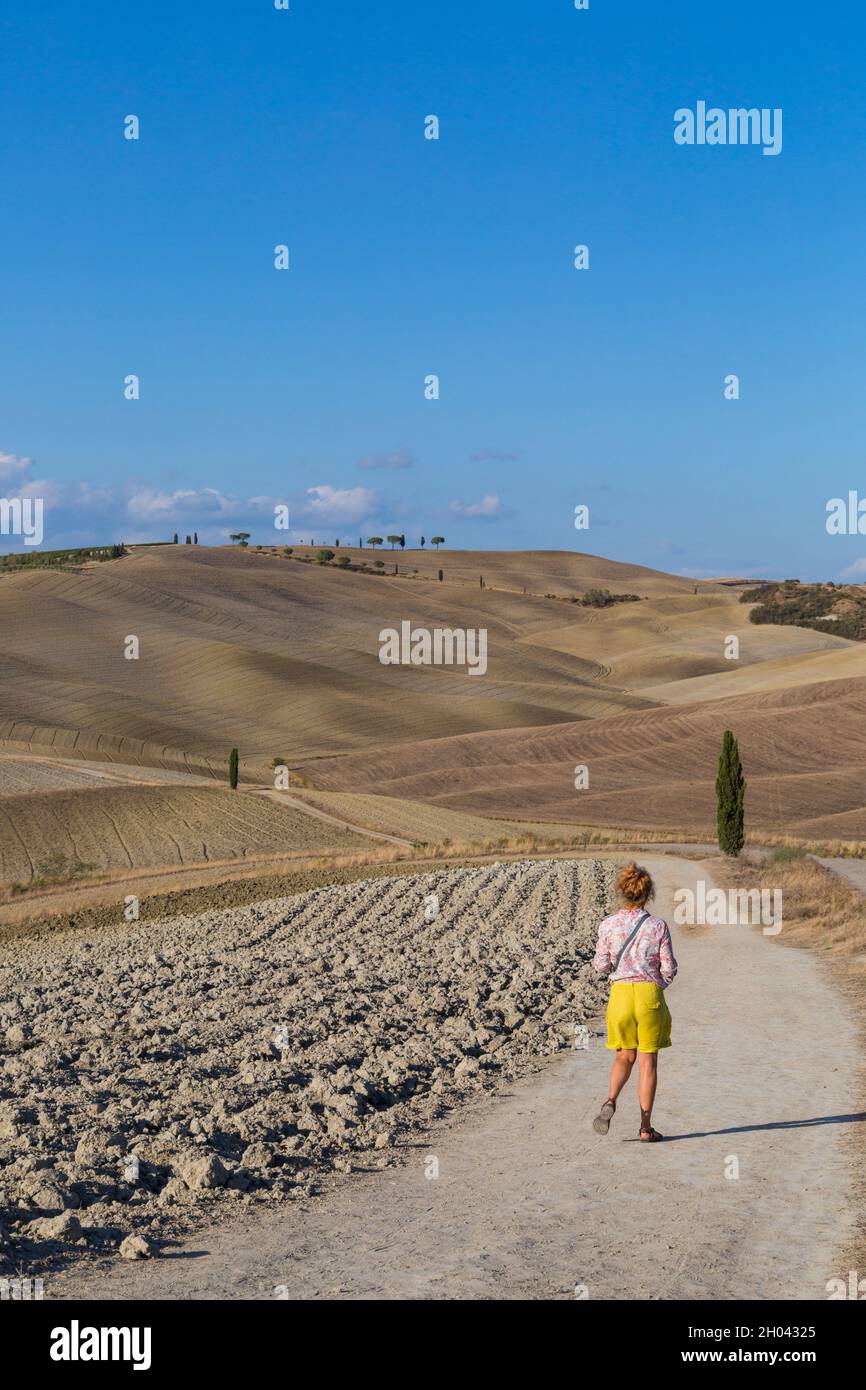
638 1016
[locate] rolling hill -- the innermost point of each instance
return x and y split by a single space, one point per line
804 750
121 763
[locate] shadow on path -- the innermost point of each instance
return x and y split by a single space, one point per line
859 1117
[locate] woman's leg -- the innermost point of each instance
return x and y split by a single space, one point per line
648 1063
621 1070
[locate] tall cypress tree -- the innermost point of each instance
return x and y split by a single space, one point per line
233 768
730 797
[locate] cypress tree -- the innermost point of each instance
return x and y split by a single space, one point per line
233 769
730 796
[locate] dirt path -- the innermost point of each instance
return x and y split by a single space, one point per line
286 799
852 870
529 1203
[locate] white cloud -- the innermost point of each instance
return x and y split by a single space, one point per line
13 468
133 508
338 504
150 504
854 572
489 507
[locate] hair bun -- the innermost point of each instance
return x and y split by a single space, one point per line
635 883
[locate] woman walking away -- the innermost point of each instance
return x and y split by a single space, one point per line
634 951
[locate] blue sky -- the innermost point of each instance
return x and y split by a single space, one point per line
454 257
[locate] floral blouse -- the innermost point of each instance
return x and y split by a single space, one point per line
650 956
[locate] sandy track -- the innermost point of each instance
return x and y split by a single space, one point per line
853 871
529 1202
285 799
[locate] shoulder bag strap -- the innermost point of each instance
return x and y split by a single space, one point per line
629 939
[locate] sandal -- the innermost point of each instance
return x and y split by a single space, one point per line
601 1123
650 1136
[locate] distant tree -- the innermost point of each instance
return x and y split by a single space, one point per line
239 536
402 542
730 797
324 556
596 598
393 540
195 537
422 542
374 540
233 769
188 540
337 543
175 538
437 541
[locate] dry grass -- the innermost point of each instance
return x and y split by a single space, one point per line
820 910
428 823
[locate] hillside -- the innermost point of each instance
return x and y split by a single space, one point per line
804 750
121 764
270 655
811 605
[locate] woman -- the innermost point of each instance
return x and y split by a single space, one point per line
634 950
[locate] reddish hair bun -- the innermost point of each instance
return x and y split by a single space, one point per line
635 884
